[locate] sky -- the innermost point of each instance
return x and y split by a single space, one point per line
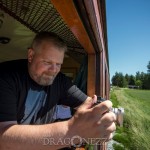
128 35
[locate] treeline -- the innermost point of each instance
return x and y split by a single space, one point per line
141 79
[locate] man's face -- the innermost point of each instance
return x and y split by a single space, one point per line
45 63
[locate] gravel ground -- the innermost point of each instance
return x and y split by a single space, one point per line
110 144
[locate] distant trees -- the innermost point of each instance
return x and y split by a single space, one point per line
141 79
138 83
119 80
131 80
148 68
146 82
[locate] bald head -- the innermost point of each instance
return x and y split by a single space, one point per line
50 38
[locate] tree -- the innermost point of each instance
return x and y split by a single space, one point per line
142 76
115 79
146 78
138 75
148 68
146 82
119 80
138 83
127 78
132 80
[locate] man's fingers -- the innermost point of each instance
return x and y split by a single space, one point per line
111 128
103 107
108 117
94 99
88 103
108 132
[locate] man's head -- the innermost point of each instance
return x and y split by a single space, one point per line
45 57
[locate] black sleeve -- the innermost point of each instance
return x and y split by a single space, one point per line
7 99
71 95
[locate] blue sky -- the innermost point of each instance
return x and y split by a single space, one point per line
128 35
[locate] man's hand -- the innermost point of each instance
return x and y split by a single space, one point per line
93 121
89 121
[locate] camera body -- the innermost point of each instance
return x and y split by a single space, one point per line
119 112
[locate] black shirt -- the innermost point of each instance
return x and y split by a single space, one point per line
24 100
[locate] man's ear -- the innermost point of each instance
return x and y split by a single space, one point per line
30 54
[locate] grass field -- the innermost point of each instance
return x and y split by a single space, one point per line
135 135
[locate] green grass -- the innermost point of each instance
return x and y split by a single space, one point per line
135 134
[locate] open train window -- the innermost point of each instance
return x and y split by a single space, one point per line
81 24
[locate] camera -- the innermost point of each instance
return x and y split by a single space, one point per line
119 112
